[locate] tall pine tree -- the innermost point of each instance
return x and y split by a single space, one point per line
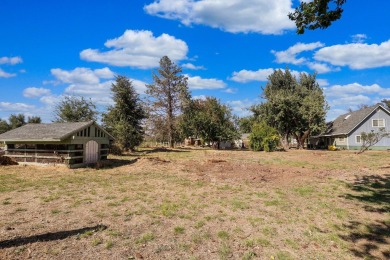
169 95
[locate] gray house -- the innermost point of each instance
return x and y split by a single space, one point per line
72 144
345 131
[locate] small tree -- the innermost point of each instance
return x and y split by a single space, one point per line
34 120
263 137
75 109
124 119
4 126
209 120
16 121
370 139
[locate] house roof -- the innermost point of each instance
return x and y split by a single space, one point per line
45 132
345 123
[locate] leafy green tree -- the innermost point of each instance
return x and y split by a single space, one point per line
16 121
4 126
245 124
370 139
34 120
316 14
263 137
292 107
75 109
124 119
209 120
169 95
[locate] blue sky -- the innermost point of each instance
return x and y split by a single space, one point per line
227 49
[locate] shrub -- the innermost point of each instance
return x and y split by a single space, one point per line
263 137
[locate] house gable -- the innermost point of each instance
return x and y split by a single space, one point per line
369 125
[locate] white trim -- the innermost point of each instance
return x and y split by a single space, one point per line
360 139
378 120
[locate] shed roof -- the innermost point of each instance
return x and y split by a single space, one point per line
45 132
345 123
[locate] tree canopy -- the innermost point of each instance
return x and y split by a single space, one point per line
16 121
124 119
316 14
209 120
169 95
293 107
75 109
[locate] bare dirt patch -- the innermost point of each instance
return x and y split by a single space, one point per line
200 204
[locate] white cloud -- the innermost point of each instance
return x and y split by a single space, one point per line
230 90
244 76
4 74
15 107
322 82
200 83
289 55
359 38
35 92
192 66
356 55
241 107
200 97
138 49
343 97
321 67
258 16
350 101
350 90
100 93
88 83
50 100
82 75
10 60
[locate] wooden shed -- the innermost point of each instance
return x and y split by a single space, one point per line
72 144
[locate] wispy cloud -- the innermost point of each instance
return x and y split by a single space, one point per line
11 60
33 92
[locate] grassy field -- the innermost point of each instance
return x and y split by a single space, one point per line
201 204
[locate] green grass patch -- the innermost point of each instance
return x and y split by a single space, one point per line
223 234
144 238
179 230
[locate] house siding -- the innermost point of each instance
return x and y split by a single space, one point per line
366 126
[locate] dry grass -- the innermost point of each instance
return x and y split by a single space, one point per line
200 204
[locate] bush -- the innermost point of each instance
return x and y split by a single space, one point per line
263 137
116 149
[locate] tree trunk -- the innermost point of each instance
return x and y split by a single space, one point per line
170 123
284 142
301 137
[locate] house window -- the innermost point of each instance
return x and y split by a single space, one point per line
358 139
341 139
378 122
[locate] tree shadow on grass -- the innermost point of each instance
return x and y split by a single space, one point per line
166 150
371 240
49 236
